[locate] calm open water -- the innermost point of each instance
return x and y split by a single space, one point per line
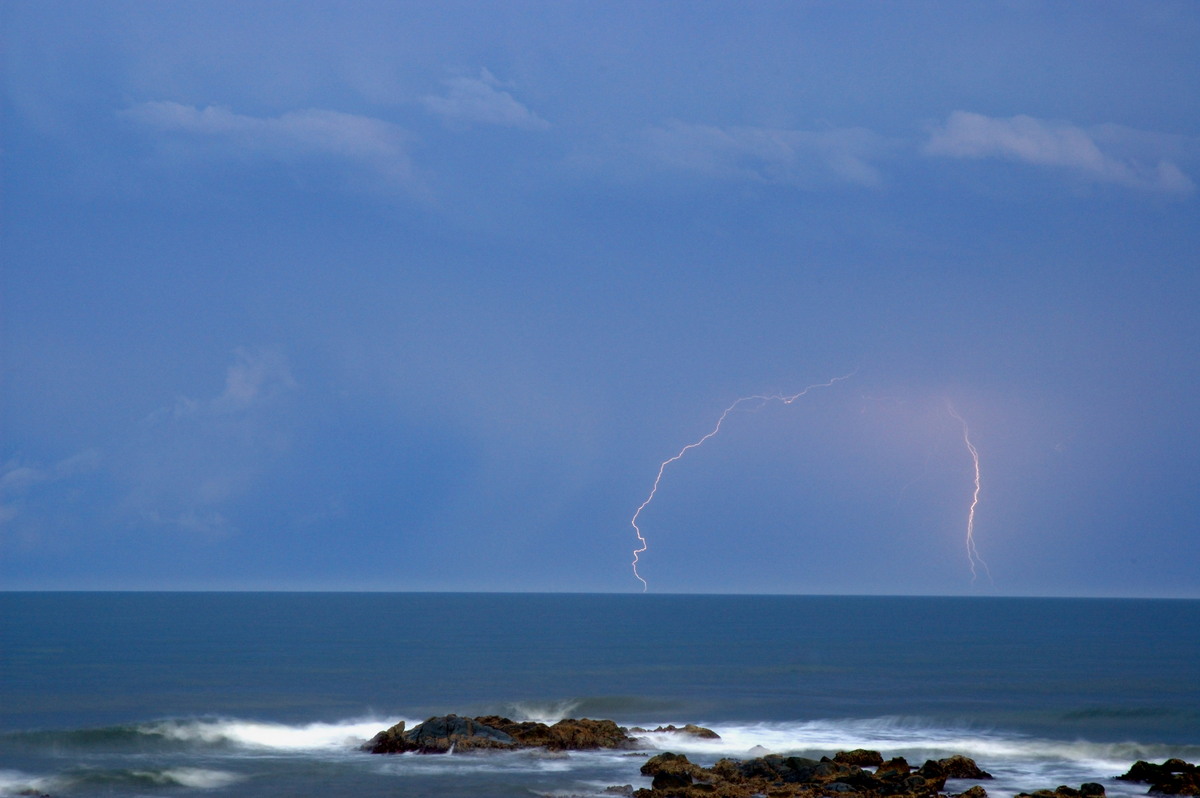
269 694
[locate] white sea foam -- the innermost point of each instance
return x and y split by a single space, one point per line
14 782
270 736
482 762
200 778
912 738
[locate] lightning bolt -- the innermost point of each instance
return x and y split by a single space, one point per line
973 557
762 400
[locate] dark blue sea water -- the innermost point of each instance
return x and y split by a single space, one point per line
269 694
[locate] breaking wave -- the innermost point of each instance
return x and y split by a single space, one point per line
268 736
916 740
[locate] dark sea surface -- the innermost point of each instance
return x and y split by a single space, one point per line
270 694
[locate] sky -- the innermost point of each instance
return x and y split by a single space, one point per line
420 296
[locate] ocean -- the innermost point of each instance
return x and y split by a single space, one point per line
271 694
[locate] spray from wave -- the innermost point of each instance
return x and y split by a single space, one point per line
268 736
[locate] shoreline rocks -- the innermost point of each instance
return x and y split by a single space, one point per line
674 776
847 773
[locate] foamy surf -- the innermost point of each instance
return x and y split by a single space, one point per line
269 736
911 738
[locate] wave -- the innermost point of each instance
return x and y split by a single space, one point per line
18 783
267 736
912 737
14 782
618 707
915 739
223 733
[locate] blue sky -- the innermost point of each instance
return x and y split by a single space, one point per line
419 296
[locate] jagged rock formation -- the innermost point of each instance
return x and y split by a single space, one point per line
444 733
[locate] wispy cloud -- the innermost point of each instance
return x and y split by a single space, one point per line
767 155
255 376
482 101
194 457
369 144
18 480
1106 154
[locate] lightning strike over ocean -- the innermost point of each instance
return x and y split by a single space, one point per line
973 557
762 400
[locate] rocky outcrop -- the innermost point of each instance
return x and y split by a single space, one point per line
798 777
859 756
1173 777
444 733
439 735
960 767
690 729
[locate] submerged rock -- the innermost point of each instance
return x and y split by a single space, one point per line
1086 790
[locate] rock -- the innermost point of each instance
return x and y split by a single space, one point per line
1172 777
1088 790
973 792
1148 772
859 756
1179 784
566 735
777 776
670 771
692 729
892 769
961 767
585 734
389 741
441 734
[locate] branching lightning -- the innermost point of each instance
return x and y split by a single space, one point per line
973 557
761 400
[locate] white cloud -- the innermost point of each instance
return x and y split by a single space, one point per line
371 144
481 101
768 155
1107 154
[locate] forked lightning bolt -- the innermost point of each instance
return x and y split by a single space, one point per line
973 558
762 400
